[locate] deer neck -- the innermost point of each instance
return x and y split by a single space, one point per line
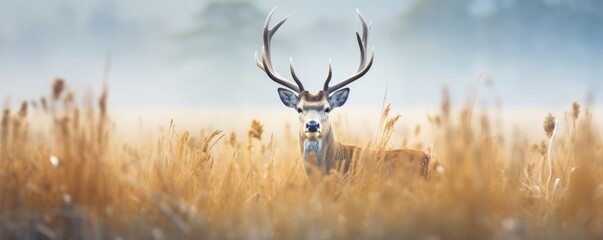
318 151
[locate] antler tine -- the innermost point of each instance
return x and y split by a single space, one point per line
266 63
326 86
363 67
362 47
354 76
258 62
365 28
301 86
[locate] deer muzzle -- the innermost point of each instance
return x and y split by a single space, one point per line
312 126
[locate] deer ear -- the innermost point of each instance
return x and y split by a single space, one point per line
338 98
289 98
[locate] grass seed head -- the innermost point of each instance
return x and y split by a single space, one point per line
386 111
232 139
549 125
23 110
44 104
102 102
540 148
391 123
57 88
256 130
575 109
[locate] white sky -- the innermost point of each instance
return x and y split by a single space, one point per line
43 39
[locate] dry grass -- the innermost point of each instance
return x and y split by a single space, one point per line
65 174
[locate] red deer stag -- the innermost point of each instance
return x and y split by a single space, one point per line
317 140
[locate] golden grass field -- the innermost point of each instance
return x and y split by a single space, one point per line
69 170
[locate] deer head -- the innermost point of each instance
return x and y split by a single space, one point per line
313 108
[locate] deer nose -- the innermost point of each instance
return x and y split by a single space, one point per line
312 126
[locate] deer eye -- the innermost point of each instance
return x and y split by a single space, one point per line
299 110
328 110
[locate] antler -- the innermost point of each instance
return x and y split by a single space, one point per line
363 68
266 63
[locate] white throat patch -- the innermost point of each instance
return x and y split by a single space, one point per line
313 147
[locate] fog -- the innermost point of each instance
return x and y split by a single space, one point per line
200 53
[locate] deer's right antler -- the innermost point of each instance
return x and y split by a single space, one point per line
363 68
266 63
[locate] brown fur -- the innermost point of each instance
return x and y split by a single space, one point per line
343 157
311 97
408 161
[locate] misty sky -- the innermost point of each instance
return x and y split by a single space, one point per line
198 53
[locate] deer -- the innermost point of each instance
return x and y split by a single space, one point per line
317 140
